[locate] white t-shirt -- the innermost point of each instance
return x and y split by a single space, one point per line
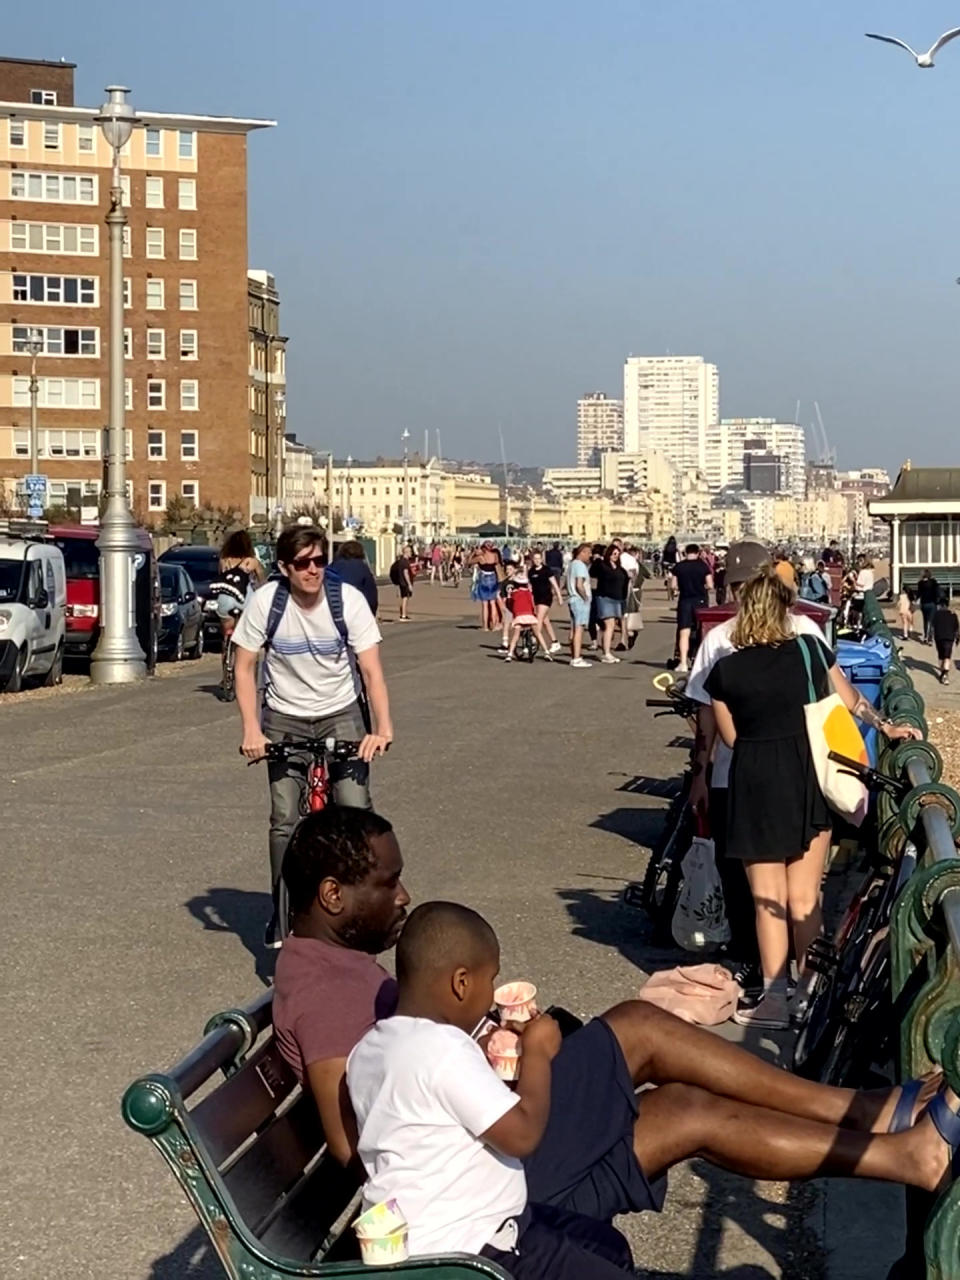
422 1092
308 671
629 562
716 645
865 580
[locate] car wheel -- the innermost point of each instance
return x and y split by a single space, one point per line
15 679
197 651
55 674
178 647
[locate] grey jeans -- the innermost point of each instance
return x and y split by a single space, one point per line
349 779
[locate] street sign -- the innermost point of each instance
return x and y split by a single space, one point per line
35 487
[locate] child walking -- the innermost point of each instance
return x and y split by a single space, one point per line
946 631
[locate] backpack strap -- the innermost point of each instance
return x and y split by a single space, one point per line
278 606
333 588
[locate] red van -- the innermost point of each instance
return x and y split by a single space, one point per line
82 560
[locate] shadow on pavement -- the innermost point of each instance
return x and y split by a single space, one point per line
642 826
192 1259
242 913
917 664
601 916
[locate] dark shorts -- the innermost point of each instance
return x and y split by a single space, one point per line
557 1245
944 649
405 591
687 611
585 1162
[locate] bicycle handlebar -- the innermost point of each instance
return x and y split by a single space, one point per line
680 706
319 748
869 776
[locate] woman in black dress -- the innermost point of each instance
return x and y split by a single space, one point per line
777 819
611 593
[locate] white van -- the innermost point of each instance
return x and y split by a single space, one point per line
33 612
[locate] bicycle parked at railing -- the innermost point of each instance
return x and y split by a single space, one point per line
658 891
316 754
847 1029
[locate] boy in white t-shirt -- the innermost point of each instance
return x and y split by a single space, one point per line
441 1134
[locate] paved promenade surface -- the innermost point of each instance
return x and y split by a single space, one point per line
135 870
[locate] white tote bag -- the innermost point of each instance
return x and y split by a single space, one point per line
831 727
699 919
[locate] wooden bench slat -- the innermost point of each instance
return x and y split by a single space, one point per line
298 1230
237 1108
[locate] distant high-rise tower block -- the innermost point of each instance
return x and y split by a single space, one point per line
668 404
599 428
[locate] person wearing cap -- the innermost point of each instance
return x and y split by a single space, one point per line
709 795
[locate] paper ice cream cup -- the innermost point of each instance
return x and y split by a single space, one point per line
381 1251
380 1220
503 1052
516 1001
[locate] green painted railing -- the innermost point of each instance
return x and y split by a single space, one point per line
925 943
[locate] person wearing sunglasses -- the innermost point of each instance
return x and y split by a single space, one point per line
322 679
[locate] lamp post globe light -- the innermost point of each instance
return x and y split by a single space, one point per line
118 658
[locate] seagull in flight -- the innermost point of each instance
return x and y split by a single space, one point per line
922 59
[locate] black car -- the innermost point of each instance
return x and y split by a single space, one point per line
181 614
203 566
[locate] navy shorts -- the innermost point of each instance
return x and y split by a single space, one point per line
556 1245
687 612
585 1162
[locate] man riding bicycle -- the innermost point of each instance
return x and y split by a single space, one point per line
322 678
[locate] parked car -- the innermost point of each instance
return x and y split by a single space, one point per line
82 561
33 609
181 615
203 566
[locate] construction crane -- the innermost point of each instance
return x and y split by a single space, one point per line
828 456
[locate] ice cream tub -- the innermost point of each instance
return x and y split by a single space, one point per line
516 1001
503 1053
382 1233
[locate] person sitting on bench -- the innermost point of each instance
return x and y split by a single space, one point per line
442 1135
343 870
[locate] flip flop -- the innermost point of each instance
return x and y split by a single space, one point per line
947 1123
903 1111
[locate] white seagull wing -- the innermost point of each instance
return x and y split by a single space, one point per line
872 35
947 35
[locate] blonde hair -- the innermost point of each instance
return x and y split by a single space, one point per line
762 618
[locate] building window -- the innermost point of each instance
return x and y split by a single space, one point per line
128 394
188 243
58 341
189 347
126 240
18 133
128 344
189 393
43 97
58 444
156 495
58 393
54 237
154 295
55 188
127 293
186 193
155 242
51 135
154 193
156 344
186 144
154 142
125 190
85 137
188 295
190 492
188 446
156 444
156 393
69 290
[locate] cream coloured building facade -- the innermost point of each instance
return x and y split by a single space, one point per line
726 446
599 427
669 402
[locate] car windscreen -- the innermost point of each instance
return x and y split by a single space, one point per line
169 583
11 574
81 557
203 569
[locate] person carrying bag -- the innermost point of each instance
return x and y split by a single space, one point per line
831 727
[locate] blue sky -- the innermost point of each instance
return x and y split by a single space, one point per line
476 211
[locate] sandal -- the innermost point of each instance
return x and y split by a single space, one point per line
947 1124
903 1111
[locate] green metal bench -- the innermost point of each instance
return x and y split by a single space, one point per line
250 1156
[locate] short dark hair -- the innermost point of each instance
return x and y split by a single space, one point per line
442 933
331 844
352 550
237 546
298 538
692 549
584 546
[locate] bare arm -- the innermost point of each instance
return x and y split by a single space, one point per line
724 722
518 1133
865 712
371 668
557 594
328 1084
708 583
703 750
254 744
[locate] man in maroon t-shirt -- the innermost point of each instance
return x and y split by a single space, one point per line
605 1149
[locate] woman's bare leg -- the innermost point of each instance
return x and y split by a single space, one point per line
803 895
768 884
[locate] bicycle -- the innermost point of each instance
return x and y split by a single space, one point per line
657 893
847 1029
228 661
315 794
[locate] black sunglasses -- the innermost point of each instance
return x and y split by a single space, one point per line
302 563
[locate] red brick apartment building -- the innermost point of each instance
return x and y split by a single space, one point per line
190 430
